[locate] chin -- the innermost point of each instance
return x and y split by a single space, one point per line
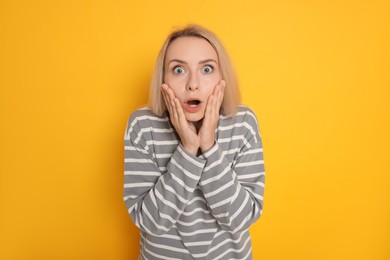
194 117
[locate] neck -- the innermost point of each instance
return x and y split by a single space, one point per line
197 125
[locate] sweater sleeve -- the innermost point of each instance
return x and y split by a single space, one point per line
234 190
156 196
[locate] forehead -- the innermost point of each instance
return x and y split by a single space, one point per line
190 49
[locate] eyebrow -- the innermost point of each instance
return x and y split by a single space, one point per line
200 62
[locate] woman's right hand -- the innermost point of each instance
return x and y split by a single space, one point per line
186 130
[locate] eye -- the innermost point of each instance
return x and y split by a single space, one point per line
208 69
178 70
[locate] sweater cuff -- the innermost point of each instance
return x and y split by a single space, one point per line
211 151
197 161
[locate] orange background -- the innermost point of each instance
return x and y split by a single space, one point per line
315 72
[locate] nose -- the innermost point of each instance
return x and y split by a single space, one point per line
192 83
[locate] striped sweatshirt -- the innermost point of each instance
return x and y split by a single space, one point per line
193 207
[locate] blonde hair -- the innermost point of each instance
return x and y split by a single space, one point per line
232 95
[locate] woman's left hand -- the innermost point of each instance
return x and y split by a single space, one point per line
209 123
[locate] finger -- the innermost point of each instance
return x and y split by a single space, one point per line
221 94
218 93
171 98
216 89
170 93
209 107
176 106
163 91
192 126
166 98
180 113
215 107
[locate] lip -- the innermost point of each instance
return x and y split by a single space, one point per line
192 108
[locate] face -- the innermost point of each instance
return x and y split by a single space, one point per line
192 72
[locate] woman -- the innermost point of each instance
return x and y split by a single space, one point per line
194 172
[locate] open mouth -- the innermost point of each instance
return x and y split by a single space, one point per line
193 103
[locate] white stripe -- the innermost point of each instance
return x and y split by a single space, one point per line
223 128
238 188
168 217
189 189
132 148
196 210
237 114
141 223
155 142
142 173
153 198
167 187
254 118
230 139
239 210
247 218
227 185
228 200
196 199
146 211
187 224
234 250
174 237
162 215
231 151
245 164
207 168
222 215
258 150
129 210
251 175
187 173
258 196
202 220
251 184
157 255
215 178
174 249
245 124
196 232
164 155
135 160
170 204
199 243
222 202
227 241
245 257
139 184
151 129
143 253
140 118
153 118
130 197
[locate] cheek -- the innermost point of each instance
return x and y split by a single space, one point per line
177 87
209 83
